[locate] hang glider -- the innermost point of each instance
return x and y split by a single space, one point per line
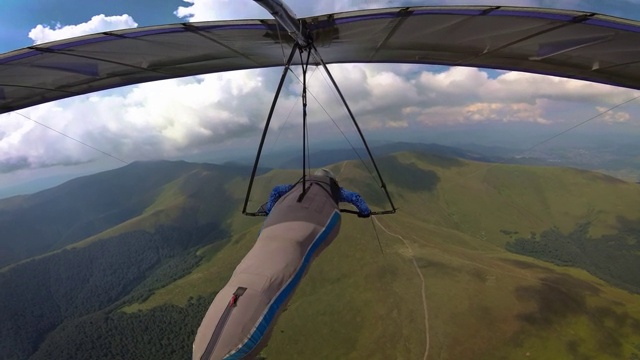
564 43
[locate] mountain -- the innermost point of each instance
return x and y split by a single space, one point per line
454 275
54 218
483 302
152 216
327 157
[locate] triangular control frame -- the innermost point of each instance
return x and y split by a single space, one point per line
303 42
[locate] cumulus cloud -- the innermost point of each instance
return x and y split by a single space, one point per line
209 10
99 23
613 117
397 124
183 116
467 95
477 113
150 121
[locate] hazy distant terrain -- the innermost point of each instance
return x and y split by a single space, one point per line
518 262
616 156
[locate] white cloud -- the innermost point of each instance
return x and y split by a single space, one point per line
209 10
397 124
177 117
98 23
148 121
476 113
461 95
611 116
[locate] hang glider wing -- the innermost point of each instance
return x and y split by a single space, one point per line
571 44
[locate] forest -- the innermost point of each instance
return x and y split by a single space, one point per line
84 287
164 332
614 258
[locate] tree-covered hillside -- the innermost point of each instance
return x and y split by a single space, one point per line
614 258
54 218
42 294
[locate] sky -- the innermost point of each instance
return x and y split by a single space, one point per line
205 117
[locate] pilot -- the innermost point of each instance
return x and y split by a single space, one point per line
301 223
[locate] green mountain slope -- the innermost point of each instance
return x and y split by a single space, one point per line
178 208
147 193
443 252
482 302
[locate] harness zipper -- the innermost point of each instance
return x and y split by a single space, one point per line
233 302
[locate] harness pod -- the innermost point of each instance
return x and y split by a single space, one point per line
239 322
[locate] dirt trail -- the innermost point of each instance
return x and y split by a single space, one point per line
342 168
424 295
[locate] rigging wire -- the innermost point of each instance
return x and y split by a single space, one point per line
375 230
305 136
556 135
72 138
254 169
333 91
293 104
284 57
352 147
582 123
305 67
383 186
308 148
338 126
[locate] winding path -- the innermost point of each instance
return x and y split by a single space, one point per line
424 295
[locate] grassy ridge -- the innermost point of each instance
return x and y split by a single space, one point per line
195 198
483 302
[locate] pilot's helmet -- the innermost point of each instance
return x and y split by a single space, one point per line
325 172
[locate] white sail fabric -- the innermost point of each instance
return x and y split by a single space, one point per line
571 44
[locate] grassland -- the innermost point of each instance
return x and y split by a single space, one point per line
483 302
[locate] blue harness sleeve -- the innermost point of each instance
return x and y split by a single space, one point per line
356 200
276 194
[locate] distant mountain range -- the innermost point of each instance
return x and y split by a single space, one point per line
323 158
515 260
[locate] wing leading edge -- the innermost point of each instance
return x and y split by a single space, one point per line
572 44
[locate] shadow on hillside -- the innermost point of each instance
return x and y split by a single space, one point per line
396 174
561 297
556 297
440 161
408 176
629 228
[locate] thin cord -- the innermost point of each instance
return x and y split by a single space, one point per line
556 135
333 91
305 67
74 139
339 129
284 57
580 124
308 149
377 236
273 143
